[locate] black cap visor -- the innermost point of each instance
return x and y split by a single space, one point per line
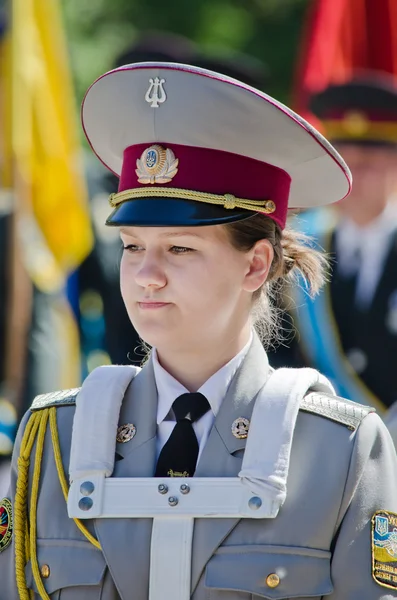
173 212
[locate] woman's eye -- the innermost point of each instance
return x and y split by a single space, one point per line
180 250
132 248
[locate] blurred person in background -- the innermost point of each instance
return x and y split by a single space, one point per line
107 335
350 331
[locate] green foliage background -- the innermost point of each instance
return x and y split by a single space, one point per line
98 30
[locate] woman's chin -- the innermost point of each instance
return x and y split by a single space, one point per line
157 334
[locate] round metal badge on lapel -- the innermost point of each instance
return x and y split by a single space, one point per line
240 428
125 433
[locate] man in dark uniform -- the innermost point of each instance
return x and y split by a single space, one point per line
350 330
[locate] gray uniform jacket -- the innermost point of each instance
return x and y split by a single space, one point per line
319 544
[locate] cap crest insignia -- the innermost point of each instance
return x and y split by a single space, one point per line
156 94
356 123
156 165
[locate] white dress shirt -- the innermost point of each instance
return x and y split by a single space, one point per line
364 250
214 389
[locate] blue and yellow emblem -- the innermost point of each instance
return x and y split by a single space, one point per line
384 548
6 524
156 165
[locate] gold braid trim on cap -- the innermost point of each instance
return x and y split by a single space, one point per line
227 200
354 128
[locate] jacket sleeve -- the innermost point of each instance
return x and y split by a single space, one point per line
8 584
371 487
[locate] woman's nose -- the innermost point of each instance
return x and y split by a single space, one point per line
150 271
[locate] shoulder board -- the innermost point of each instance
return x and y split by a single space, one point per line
336 409
60 398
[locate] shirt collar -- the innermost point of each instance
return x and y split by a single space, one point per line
351 236
214 389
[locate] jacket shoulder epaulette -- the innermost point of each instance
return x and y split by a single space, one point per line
336 409
60 398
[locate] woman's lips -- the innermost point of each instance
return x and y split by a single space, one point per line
152 305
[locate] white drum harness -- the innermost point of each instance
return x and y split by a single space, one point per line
257 493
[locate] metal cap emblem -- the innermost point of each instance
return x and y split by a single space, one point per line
240 428
156 94
156 165
125 433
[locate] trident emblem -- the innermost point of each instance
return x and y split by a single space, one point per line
156 94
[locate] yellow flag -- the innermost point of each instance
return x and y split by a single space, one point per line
48 178
41 171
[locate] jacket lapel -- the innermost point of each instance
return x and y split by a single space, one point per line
223 453
126 542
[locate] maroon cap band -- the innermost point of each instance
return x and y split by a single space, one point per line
215 172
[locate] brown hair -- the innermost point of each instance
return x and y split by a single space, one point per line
295 258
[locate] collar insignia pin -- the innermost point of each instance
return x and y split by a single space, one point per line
156 94
125 433
240 428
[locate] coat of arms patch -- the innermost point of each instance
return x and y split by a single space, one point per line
384 548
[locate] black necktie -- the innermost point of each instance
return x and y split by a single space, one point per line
178 457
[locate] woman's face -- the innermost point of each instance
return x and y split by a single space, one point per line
188 286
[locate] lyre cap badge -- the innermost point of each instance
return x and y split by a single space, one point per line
156 165
156 94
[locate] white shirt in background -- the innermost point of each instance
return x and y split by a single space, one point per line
364 250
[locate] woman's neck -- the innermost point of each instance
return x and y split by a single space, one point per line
193 366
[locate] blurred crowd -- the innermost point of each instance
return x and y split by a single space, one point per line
349 331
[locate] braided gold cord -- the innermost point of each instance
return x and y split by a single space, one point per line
20 505
228 201
25 541
61 474
33 504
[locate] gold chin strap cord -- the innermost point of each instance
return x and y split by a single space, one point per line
228 201
25 540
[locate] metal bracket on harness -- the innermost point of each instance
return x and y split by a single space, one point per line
96 496
173 503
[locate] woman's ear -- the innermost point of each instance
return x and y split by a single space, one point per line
260 260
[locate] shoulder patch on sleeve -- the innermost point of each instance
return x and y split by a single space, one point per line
60 398
336 409
384 548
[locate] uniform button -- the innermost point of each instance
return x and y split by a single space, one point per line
272 580
45 571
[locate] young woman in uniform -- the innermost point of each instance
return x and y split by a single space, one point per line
208 168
